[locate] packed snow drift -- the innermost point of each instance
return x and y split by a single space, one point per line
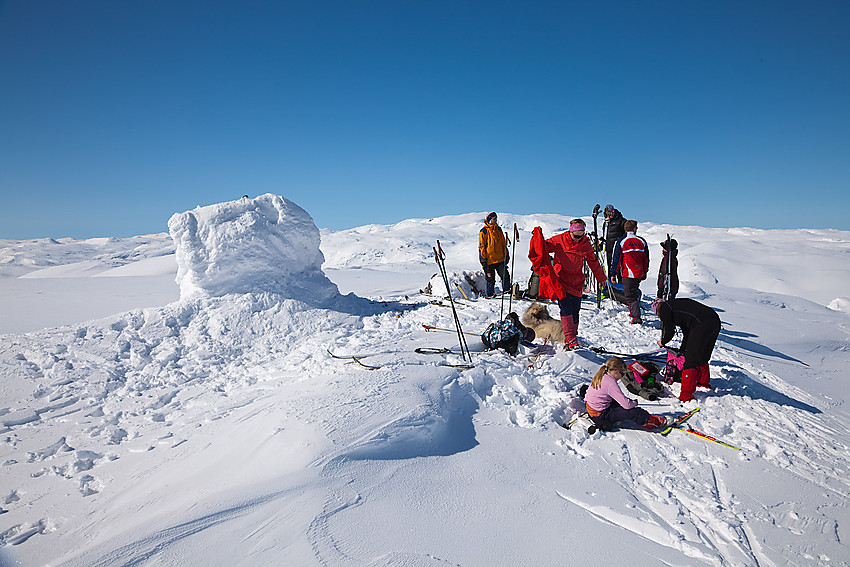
210 397
267 244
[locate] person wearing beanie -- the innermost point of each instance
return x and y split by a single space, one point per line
670 256
493 255
562 277
613 231
700 326
631 263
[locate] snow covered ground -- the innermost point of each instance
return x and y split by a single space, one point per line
146 422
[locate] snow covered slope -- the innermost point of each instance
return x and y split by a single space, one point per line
218 428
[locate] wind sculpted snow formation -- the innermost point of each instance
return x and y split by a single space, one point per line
268 244
217 429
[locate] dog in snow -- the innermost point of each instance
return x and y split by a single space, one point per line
537 317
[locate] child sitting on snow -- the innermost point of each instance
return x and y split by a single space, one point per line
605 401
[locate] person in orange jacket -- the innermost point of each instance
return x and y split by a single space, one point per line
493 255
562 274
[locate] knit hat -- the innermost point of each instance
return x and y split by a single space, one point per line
673 244
655 303
491 216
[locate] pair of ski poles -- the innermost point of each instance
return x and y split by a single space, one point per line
513 259
440 258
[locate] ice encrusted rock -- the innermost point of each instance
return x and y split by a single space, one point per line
266 244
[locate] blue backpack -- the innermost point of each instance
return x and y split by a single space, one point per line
499 332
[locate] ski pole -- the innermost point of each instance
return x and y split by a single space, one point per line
432 328
596 251
513 259
504 268
539 352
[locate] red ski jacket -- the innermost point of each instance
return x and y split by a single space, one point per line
631 257
565 274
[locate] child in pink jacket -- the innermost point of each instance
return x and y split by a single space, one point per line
605 401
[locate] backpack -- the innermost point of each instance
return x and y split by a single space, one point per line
506 334
673 369
533 285
643 379
502 334
601 424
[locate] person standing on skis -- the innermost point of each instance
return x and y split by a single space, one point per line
631 263
493 255
614 231
700 326
562 279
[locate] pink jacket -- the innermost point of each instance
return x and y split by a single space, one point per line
600 398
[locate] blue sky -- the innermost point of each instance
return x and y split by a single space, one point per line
114 115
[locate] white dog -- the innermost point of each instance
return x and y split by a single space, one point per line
537 317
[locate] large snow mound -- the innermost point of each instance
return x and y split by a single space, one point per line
267 244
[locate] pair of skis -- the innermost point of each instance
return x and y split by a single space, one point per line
677 425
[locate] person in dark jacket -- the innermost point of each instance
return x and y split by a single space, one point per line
614 231
700 326
631 263
670 256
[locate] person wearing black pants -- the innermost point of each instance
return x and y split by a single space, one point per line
700 326
631 264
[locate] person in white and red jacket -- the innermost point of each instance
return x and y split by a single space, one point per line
631 263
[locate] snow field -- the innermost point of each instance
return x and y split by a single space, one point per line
219 429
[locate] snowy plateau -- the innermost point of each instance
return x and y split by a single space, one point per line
176 399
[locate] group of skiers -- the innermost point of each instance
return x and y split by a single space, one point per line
559 263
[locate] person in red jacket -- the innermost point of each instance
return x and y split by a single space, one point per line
562 277
631 263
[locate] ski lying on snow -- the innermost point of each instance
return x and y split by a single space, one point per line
648 354
702 435
679 420
357 358
354 359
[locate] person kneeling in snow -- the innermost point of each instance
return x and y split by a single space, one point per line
700 326
606 403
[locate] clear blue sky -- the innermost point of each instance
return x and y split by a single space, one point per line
116 114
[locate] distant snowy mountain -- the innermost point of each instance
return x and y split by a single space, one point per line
285 405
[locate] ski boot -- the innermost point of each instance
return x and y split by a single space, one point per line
657 421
